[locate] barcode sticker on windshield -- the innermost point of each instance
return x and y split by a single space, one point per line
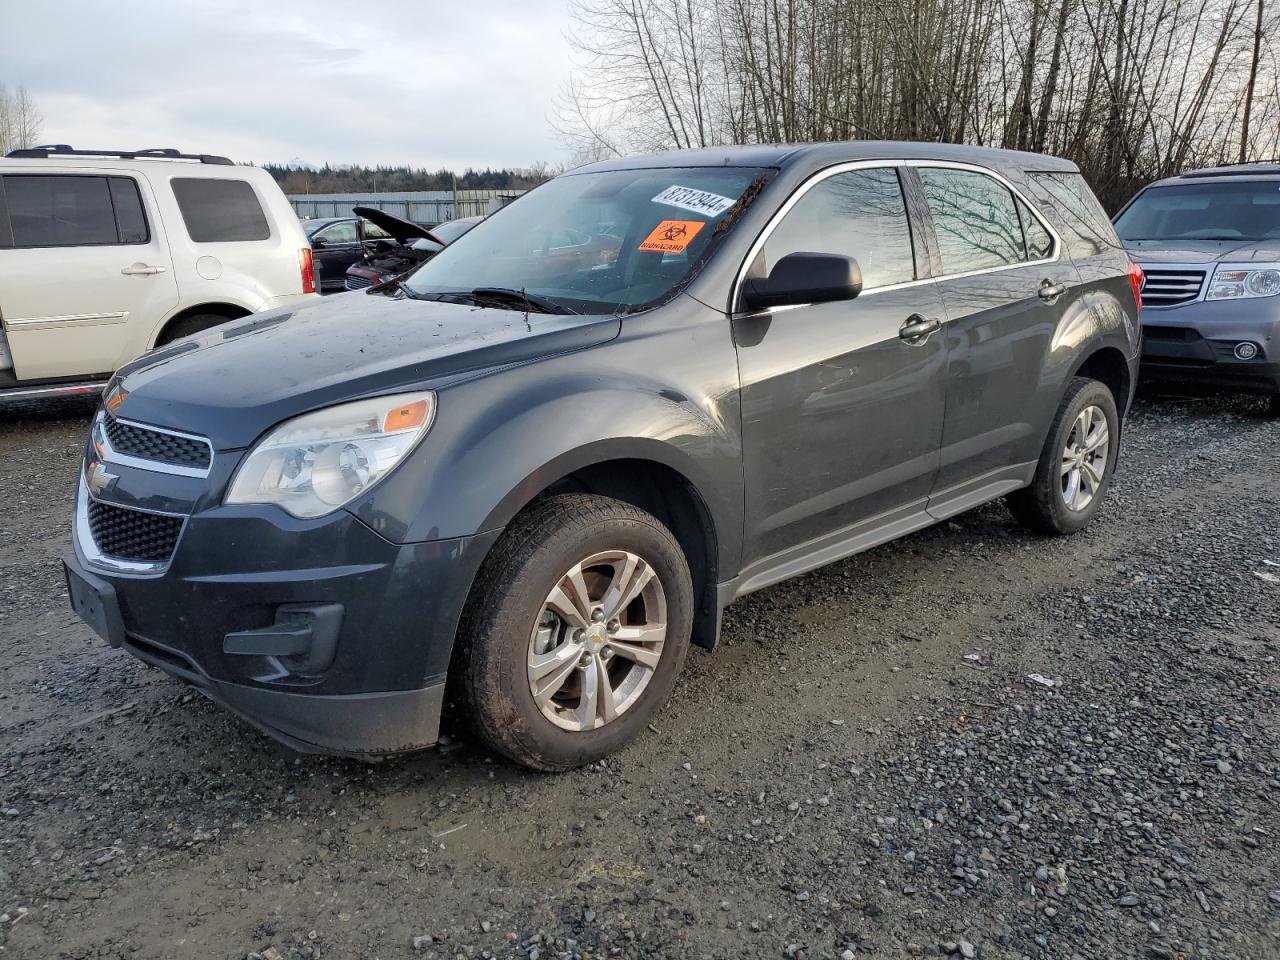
698 201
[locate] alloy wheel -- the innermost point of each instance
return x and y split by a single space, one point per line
1084 458
597 640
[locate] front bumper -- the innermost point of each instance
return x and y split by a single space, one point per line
1195 343
321 632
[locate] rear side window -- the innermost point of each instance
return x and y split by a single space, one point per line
975 219
1088 229
859 214
217 211
72 211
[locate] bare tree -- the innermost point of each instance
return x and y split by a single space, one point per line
20 122
1129 89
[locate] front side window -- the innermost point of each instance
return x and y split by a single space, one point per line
975 219
859 214
216 211
74 211
608 242
1246 212
374 232
344 232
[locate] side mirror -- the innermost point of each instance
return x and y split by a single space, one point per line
317 243
804 278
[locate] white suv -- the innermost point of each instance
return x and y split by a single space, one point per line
106 254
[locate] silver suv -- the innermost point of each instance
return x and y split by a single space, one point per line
1209 243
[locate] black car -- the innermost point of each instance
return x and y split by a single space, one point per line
384 263
541 465
339 242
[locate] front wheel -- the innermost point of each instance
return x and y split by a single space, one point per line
576 631
1076 464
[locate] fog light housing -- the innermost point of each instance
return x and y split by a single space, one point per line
1246 350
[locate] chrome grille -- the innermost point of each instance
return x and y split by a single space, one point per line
138 441
1170 288
132 535
358 283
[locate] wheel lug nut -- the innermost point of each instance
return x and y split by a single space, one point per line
597 614
614 626
579 635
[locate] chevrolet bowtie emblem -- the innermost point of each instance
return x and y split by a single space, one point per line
97 478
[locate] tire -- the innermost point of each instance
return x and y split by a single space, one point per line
1043 506
509 631
188 325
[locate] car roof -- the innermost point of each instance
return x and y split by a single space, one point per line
1233 172
819 154
168 166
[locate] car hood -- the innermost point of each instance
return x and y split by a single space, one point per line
235 381
1204 251
402 230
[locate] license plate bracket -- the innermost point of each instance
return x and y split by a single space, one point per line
96 603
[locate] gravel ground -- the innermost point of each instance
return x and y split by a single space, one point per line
866 766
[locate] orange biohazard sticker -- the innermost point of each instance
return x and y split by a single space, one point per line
671 236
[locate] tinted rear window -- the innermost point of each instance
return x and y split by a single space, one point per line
217 211
1084 225
72 211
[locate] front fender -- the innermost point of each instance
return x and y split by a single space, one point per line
501 439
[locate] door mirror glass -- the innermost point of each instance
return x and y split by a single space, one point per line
801 278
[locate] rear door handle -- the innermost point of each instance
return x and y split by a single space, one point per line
917 328
142 270
1050 291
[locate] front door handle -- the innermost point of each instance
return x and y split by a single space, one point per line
142 270
1050 291
917 328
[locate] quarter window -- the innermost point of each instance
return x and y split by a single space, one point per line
216 211
975 219
73 211
859 214
1039 240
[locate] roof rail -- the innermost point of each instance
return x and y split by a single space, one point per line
45 151
1235 169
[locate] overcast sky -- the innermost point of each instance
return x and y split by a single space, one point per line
427 83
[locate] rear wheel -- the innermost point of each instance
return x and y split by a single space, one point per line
188 325
576 631
1076 464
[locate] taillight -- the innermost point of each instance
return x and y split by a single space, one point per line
1136 279
308 270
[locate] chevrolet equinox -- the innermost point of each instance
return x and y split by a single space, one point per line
541 465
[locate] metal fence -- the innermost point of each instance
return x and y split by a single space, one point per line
427 207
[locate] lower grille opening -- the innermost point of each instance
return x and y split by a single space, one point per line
162 657
133 535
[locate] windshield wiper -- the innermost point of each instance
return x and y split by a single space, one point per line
532 302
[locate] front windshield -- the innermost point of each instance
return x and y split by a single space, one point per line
1204 211
594 242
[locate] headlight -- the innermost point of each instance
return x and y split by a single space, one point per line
1232 284
315 463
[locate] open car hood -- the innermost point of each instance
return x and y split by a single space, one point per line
402 230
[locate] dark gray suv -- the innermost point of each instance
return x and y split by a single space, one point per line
1209 244
541 466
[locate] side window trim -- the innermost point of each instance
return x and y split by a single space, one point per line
906 175
1018 195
